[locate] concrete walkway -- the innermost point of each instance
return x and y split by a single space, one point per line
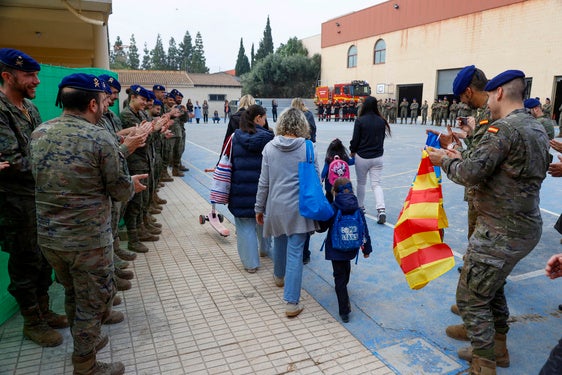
194 310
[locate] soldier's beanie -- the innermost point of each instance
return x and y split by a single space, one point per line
18 60
503 78
462 80
111 81
157 102
139 90
158 88
531 103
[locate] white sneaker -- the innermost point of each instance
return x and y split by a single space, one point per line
381 216
293 309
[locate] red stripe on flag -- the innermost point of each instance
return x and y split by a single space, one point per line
425 256
425 166
425 196
413 226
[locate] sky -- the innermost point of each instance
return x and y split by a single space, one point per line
222 23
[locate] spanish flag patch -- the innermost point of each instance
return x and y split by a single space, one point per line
493 129
484 122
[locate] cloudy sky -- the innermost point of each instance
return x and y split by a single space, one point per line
222 23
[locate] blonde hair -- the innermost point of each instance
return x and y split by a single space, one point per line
292 122
298 104
246 101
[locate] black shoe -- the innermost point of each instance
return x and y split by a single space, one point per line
306 260
183 168
344 318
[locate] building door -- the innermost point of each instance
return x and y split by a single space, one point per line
410 92
557 102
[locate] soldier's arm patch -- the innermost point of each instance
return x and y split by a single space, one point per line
493 129
484 122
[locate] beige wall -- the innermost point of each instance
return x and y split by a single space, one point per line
523 36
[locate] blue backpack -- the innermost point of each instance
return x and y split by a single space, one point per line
348 231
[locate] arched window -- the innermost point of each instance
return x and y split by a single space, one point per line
380 52
352 57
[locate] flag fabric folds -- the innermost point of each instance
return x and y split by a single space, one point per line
418 233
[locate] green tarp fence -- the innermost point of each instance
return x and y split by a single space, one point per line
50 77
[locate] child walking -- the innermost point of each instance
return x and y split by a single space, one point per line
336 150
345 205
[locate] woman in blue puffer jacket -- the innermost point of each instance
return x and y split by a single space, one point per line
247 145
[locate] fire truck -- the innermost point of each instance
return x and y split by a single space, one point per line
342 92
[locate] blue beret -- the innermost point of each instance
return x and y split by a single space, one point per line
463 79
111 81
18 60
179 93
83 81
157 102
139 90
158 87
151 95
503 78
531 103
170 95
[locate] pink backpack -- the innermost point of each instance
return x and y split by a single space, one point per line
337 168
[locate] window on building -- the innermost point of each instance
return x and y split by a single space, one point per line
352 57
380 52
217 97
528 84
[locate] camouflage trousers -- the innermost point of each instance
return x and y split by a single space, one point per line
177 151
480 291
30 273
89 287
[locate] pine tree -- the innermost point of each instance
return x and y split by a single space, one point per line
242 62
146 58
252 57
266 44
198 62
118 58
173 55
133 57
158 57
185 52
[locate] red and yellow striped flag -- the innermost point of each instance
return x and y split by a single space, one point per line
418 243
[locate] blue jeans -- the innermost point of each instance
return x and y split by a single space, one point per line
247 232
287 263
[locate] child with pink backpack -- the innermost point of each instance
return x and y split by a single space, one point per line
336 165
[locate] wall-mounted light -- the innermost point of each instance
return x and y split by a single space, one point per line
396 6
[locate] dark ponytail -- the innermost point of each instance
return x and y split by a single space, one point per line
247 119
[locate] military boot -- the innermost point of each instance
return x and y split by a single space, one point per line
53 320
156 206
101 342
122 284
124 274
146 236
157 199
176 172
500 351
117 300
134 243
455 309
37 330
122 253
87 365
482 366
154 211
119 263
183 168
114 317
165 176
149 229
457 332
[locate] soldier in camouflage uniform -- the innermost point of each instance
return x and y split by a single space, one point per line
424 108
534 107
434 112
393 111
404 105
414 111
29 271
138 163
78 171
509 224
445 110
453 110
547 108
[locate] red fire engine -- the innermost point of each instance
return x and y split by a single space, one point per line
342 92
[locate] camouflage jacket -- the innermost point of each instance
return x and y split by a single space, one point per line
548 125
78 171
138 161
15 133
506 169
